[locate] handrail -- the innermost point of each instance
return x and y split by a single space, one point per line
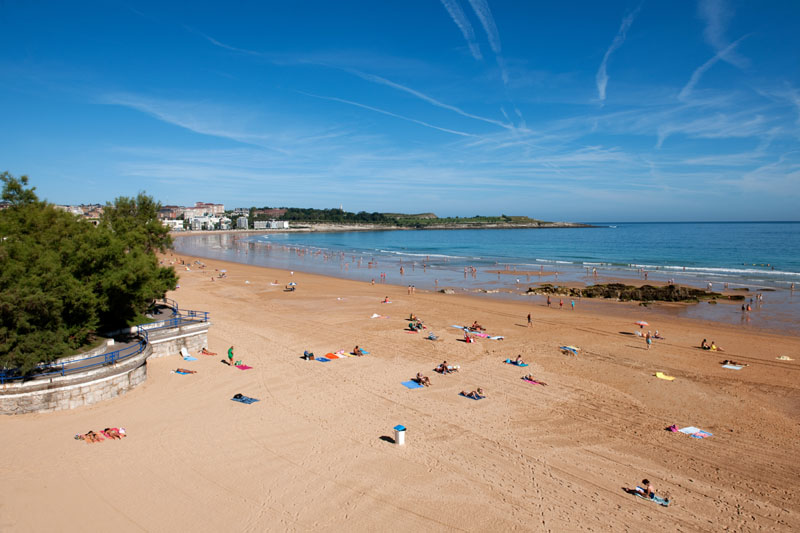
183 316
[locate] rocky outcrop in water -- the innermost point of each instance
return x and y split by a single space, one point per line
645 293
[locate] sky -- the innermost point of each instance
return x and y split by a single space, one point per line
567 111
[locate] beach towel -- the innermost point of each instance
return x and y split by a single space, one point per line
411 331
784 358
479 334
243 367
654 499
510 362
190 358
332 356
733 367
701 434
181 373
689 430
244 399
322 359
661 375
471 398
411 384
459 327
496 338
376 315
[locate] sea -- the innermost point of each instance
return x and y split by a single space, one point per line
760 260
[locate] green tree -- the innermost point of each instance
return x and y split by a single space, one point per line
62 279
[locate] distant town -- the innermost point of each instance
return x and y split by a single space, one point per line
201 217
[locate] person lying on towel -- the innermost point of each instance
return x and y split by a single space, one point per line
185 371
205 351
475 395
422 380
529 377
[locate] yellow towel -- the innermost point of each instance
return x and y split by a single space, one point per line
661 375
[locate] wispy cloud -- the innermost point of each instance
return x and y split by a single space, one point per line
458 16
717 14
602 75
383 81
388 113
481 8
702 69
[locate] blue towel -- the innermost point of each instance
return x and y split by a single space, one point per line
470 398
322 359
190 358
510 362
182 373
245 399
411 384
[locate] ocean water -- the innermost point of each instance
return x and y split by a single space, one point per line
763 257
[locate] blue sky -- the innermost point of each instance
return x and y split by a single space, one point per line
562 111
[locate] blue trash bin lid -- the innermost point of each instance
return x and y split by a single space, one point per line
400 427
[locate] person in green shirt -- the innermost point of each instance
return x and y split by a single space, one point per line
230 356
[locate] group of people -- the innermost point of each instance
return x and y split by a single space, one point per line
713 347
108 433
444 368
415 323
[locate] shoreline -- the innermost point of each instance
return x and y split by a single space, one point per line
495 282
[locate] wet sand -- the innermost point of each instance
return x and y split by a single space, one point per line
316 454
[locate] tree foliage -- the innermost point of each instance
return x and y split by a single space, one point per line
63 279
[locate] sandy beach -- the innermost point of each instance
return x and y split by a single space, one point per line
316 452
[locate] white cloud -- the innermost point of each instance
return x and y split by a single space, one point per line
458 16
602 75
481 8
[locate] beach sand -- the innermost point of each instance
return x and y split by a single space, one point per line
315 453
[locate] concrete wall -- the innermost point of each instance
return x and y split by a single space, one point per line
101 383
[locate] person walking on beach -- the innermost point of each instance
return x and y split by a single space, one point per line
648 339
548 300
530 324
230 356
573 304
561 303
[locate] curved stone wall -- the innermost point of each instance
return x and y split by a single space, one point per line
101 383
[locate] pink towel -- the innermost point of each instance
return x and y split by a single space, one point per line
243 367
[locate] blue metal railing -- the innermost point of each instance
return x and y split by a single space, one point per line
184 316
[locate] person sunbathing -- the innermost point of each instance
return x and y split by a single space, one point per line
648 490
205 351
386 300
729 362
90 436
476 327
185 371
518 361
413 317
656 335
113 433
715 348
529 377
422 380
357 351
704 345
475 395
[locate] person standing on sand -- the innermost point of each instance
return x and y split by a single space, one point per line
230 356
548 300
561 303
530 324
573 304
648 339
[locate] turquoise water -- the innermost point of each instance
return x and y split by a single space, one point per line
762 256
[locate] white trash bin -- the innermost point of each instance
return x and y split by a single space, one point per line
399 435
